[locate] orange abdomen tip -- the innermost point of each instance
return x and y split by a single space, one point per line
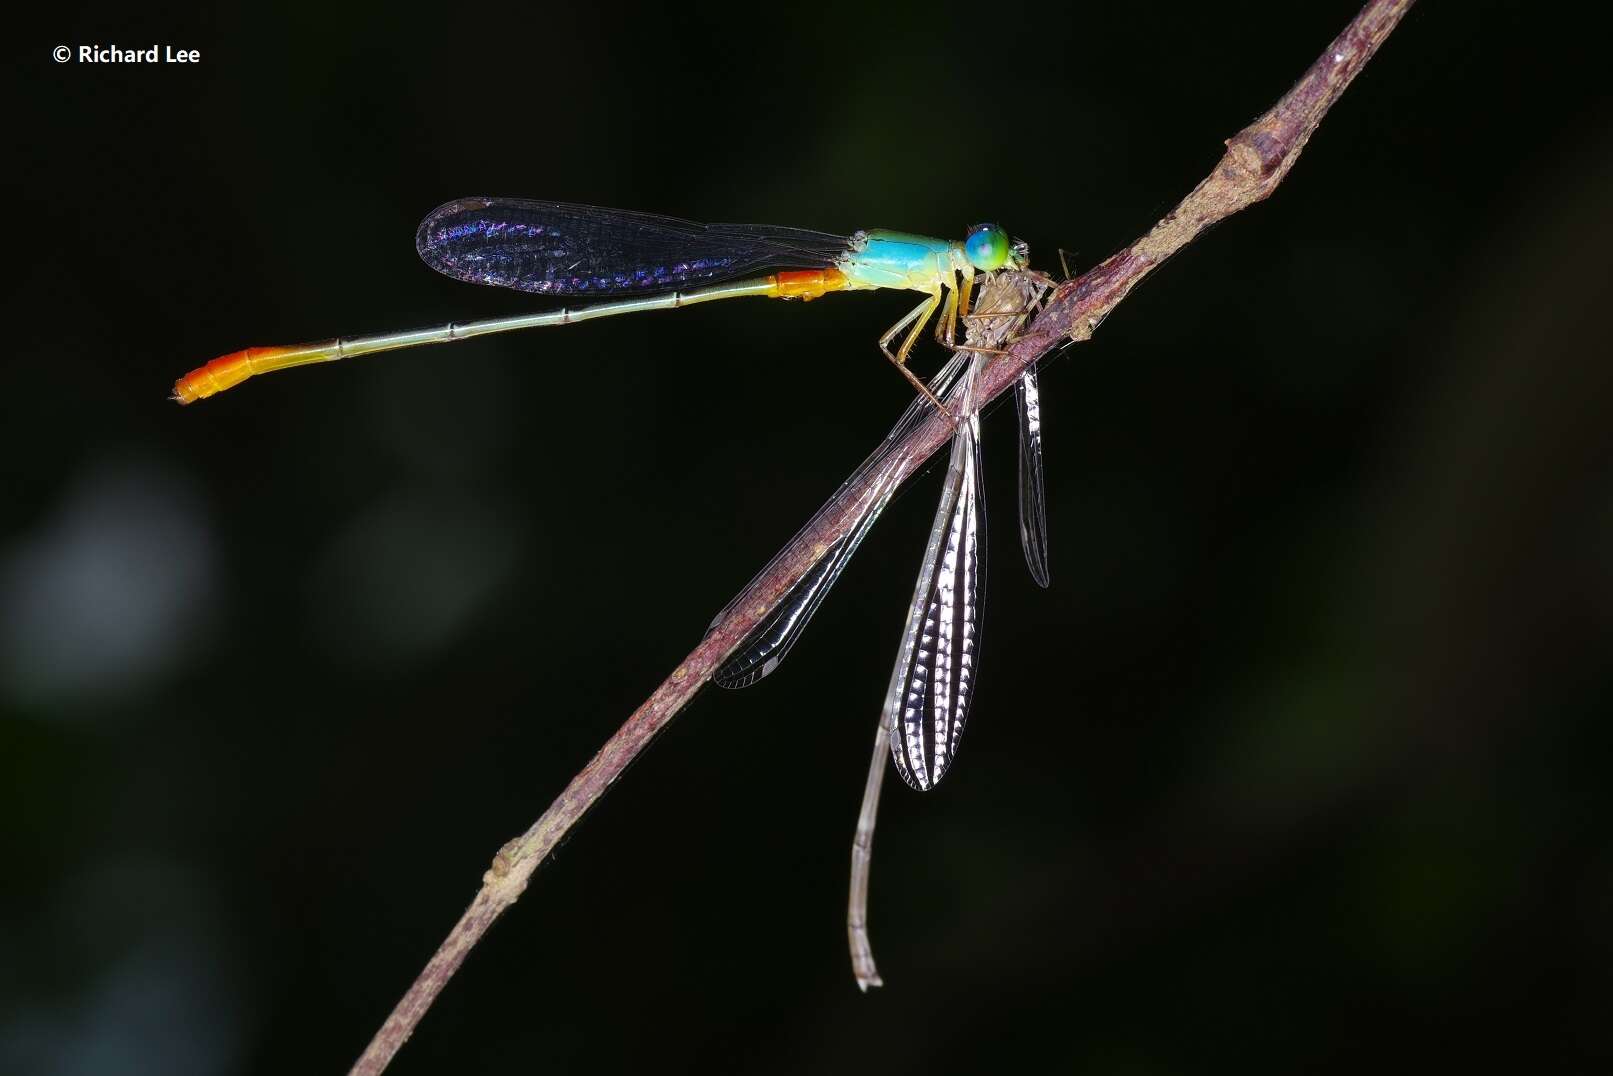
223 372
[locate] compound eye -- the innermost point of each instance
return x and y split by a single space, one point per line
986 247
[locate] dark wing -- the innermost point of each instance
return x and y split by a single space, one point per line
770 640
1032 495
554 248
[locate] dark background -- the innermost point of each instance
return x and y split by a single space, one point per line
1300 764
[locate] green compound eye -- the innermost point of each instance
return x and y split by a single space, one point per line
986 247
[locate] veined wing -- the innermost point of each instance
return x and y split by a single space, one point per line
556 248
770 641
933 682
1004 305
1032 493
767 645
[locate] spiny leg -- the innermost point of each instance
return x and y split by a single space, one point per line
922 312
1021 312
962 284
918 317
965 289
946 333
1064 264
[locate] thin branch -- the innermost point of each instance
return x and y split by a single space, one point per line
1256 160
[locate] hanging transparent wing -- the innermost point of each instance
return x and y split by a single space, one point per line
766 646
1004 302
925 711
933 682
1032 493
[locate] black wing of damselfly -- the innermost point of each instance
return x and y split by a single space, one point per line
770 640
555 248
933 682
1032 494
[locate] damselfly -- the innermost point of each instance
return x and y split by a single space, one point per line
932 685
650 262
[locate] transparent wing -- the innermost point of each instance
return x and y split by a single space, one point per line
766 646
933 682
1032 495
932 685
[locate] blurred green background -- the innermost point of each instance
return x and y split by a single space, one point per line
1298 766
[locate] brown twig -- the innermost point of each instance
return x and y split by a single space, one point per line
1256 160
